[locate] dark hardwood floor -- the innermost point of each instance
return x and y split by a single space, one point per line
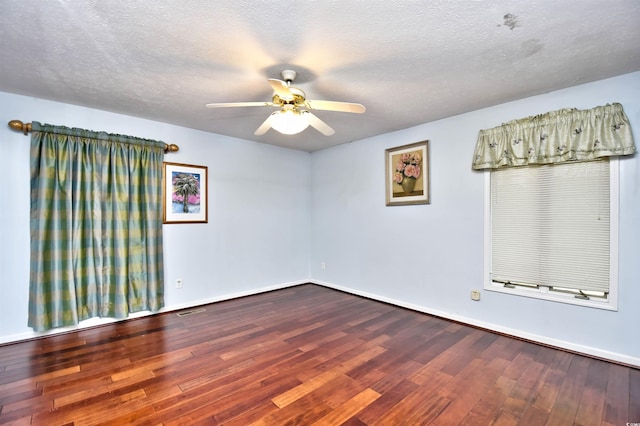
306 355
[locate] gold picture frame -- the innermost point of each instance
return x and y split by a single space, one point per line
184 193
407 174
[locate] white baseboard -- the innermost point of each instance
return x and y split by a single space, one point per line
587 350
233 296
93 322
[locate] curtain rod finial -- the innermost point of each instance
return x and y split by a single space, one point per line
171 148
20 126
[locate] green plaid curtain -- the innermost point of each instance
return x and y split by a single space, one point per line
96 226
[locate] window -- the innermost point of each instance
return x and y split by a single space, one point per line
551 232
551 210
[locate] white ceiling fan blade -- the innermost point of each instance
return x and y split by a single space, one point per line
238 104
266 125
281 88
336 106
318 124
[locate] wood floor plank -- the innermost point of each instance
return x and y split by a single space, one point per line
38 377
566 405
381 381
235 408
387 400
305 355
414 408
549 385
349 408
86 413
231 404
303 389
616 407
591 407
303 411
345 358
521 395
467 388
634 396
487 409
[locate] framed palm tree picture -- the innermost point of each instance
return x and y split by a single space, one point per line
184 193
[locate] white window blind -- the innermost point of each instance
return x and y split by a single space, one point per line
550 225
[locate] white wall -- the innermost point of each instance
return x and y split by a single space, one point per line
257 237
429 257
275 214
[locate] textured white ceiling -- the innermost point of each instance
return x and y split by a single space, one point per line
408 62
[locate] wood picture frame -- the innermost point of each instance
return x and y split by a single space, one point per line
184 193
407 174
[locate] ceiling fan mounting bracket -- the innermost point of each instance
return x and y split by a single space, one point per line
288 75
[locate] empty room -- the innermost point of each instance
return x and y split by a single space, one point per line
333 213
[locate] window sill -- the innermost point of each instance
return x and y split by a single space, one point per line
544 294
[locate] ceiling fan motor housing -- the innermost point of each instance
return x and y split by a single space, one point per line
298 98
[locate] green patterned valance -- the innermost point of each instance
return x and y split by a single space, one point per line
555 137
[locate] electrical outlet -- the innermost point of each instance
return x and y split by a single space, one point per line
179 283
475 295
323 265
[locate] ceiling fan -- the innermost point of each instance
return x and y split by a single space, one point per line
294 115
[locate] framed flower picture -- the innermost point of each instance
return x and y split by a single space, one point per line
184 193
407 174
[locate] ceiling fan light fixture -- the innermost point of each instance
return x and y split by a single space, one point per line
294 115
289 121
